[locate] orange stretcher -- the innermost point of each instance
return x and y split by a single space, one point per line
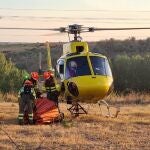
46 111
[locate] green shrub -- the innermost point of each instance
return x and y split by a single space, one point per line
10 76
131 72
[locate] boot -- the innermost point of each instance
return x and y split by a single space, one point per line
20 119
20 122
31 121
30 118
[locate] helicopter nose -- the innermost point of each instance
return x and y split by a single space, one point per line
95 88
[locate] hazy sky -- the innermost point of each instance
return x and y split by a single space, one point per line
58 13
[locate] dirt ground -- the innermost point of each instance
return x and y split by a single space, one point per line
131 130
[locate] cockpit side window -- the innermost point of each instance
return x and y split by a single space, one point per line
108 69
60 68
100 66
77 66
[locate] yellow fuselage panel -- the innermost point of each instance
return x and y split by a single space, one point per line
91 88
72 47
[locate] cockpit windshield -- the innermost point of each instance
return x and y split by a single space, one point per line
100 66
77 66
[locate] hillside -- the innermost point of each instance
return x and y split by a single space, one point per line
24 55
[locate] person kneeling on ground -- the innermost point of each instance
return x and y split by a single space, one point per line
26 97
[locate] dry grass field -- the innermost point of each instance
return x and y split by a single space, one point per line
131 130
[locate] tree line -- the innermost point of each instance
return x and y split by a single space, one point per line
131 73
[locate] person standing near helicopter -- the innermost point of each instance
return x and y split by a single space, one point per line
50 86
26 96
33 77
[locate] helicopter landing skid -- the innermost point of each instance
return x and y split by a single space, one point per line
76 109
109 113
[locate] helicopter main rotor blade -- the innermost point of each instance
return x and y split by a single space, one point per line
75 29
52 29
105 29
54 34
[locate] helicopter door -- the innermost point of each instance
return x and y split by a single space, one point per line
60 68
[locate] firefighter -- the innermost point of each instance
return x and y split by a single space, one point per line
50 86
26 98
34 79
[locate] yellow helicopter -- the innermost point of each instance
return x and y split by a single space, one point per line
85 76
